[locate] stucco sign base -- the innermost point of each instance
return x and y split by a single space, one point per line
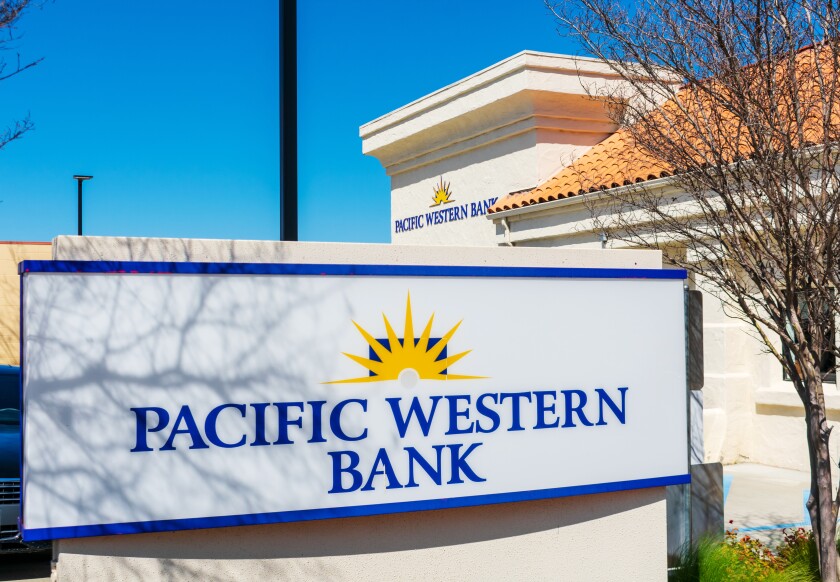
610 536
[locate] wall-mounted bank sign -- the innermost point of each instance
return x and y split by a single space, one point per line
444 209
165 396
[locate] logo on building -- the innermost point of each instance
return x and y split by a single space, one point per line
442 193
407 358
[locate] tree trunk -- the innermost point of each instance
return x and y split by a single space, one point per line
821 501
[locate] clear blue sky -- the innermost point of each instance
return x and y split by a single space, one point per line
173 107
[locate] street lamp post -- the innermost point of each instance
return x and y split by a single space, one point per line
288 121
79 179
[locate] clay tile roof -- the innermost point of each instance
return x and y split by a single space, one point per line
619 160
616 161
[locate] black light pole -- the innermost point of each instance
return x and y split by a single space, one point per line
288 120
79 179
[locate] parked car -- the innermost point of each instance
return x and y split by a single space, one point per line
10 540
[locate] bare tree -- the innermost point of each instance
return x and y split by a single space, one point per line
10 13
748 141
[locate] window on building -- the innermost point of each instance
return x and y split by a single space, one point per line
828 360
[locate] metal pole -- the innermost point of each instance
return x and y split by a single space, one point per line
79 182
79 179
288 120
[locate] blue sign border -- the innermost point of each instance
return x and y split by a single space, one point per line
53 533
192 268
167 268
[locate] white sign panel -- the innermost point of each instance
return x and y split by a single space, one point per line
174 396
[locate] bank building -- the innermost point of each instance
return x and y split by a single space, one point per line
488 161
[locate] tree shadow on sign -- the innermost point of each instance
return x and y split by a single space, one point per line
94 351
166 332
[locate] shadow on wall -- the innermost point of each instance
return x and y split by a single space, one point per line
96 350
793 411
366 535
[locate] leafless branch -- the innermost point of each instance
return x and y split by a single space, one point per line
750 143
10 13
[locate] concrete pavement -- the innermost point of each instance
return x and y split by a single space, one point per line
761 501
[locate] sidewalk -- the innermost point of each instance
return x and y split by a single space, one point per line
762 500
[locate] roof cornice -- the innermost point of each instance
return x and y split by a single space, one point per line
571 202
579 66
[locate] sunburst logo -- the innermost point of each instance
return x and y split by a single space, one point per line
442 193
407 359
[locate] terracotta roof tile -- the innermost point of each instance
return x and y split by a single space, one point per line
614 162
619 160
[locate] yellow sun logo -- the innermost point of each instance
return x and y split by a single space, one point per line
407 359
442 193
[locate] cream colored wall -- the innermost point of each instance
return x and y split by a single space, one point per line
606 537
507 128
751 414
11 253
729 359
91 248
491 171
777 435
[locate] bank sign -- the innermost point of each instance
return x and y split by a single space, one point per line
443 210
164 396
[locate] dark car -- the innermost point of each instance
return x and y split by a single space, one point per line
10 461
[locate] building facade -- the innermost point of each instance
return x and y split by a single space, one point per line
453 154
509 134
12 253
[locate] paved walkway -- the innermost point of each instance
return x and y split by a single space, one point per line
761 500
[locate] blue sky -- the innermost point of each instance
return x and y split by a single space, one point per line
173 107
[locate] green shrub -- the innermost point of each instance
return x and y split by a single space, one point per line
710 561
798 551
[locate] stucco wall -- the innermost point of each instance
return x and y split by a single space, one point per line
607 537
490 171
751 414
11 253
504 129
617 536
91 248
